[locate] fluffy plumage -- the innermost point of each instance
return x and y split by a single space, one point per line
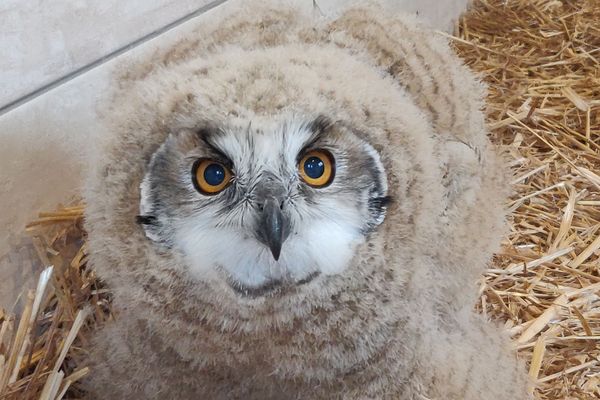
391 317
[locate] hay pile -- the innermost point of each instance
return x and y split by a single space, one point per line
541 61
39 354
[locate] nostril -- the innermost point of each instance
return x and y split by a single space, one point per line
270 203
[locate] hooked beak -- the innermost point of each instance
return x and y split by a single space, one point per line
273 226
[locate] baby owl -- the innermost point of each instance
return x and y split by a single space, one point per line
298 206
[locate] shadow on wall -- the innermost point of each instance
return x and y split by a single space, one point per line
35 173
439 14
19 269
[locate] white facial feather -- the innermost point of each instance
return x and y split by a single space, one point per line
325 248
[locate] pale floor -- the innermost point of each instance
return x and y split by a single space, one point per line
56 61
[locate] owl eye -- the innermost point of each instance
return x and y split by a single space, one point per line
210 177
317 168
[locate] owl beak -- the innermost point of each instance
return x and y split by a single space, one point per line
273 227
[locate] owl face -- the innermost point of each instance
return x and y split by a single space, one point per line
264 204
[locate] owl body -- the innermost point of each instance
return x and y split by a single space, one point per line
277 287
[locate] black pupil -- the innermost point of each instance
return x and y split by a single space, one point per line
214 174
314 167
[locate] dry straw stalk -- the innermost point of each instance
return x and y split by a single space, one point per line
541 61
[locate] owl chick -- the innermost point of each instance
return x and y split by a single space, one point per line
298 207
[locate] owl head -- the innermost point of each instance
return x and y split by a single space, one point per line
262 173
279 164
264 204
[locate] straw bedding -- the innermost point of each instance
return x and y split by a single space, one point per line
541 60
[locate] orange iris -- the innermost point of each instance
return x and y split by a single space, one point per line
210 176
317 168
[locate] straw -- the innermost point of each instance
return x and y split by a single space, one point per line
54 328
540 59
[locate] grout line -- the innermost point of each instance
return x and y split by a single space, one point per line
102 60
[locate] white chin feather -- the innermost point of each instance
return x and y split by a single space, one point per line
326 247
